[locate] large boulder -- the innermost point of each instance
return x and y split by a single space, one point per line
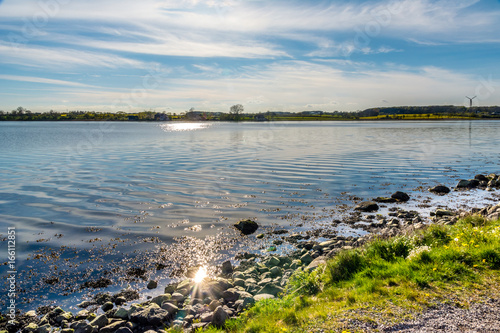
219 317
247 227
367 206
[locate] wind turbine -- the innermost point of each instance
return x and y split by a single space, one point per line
470 100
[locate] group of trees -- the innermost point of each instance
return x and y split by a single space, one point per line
236 113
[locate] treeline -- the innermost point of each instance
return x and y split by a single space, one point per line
236 114
450 110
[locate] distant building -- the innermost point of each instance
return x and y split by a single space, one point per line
161 117
260 117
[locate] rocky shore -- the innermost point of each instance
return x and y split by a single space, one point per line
199 301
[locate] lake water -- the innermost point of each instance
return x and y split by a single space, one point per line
103 195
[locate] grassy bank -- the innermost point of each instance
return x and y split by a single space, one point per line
386 281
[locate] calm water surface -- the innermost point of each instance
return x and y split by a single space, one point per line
85 184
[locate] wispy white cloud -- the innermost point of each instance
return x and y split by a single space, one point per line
44 81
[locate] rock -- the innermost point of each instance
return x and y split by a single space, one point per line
367 206
214 305
384 200
111 328
160 299
260 236
400 196
271 289
121 313
246 227
260 297
230 295
306 259
152 315
463 184
123 330
207 317
152 284
219 317
443 212
31 327
67 330
100 321
44 329
276 271
227 268
315 263
481 178
171 308
239 283
272 261
178 298
107 306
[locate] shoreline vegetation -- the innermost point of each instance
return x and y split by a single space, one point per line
405 274
236 113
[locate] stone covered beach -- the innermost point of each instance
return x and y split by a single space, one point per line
199 301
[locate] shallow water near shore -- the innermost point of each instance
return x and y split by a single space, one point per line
91 199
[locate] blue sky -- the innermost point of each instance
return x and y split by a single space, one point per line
171 55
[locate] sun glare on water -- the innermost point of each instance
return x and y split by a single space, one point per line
200 275
180 127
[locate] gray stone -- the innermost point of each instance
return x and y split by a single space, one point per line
367 206
239 282
214 304
160 299
82 327
227 268
44 329
100 321
111 328
306 259
121 313
219 317
276 271
107 306
152 315
123 330
152 284
230 295
270 288
246 227
315 263
400 196
272 261
443 212
171 308
206 317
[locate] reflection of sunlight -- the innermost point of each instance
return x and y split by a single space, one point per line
179 127
200 275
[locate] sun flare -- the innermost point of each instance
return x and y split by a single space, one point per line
200 275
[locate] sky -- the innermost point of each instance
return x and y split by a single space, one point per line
279 55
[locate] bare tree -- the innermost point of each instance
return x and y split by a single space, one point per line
235 110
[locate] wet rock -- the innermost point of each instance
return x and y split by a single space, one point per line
120 300
481 178
124 330
306 259
230 295
152 284
367 206
111 328
246 227
384 200
227 268
100 321
107 306
44 329
400 196
443 212
121 313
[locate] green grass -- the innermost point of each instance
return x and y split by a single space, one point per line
386 281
